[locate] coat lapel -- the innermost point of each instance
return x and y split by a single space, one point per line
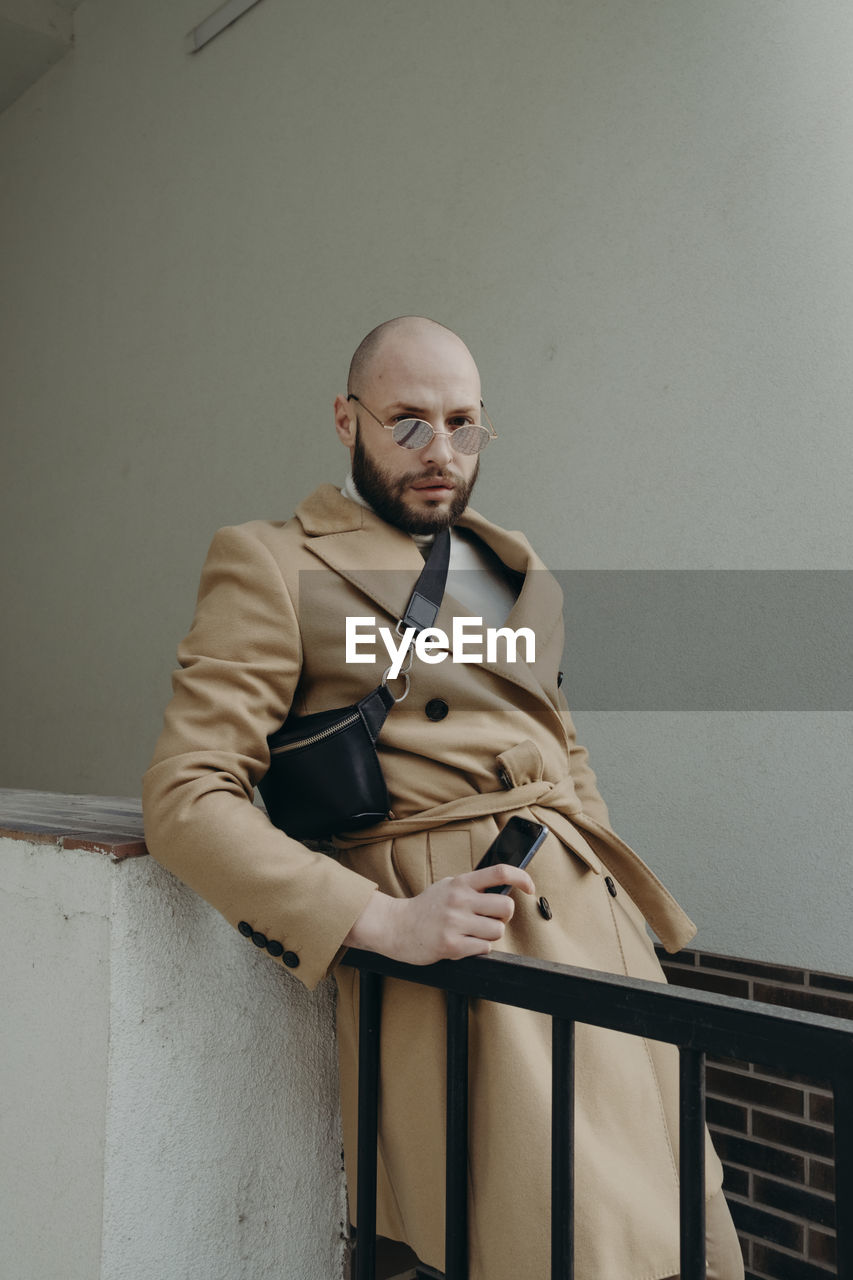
539 605
381 561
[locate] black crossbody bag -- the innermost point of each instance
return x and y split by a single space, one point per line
324 773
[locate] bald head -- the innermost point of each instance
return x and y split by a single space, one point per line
402 341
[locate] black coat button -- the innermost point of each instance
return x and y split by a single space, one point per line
611 887
259 939
559 678
436 709
545 908
245 928
291 959
275 948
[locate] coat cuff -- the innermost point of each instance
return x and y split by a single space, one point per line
311 950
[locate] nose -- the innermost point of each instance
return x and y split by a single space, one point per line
439 451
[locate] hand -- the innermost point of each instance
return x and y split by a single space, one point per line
451 919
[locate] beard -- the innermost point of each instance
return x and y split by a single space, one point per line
385 493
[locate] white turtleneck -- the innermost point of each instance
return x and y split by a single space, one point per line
477 578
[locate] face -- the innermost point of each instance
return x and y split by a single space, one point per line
429 374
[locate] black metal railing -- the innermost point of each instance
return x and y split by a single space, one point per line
698 1022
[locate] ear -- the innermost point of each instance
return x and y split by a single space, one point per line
345 422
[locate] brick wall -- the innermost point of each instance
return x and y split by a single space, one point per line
773 1131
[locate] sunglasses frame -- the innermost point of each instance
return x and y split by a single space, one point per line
491 434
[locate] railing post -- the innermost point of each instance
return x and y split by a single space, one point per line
843 1118
369 1015
562 1149
691 1109
456 1193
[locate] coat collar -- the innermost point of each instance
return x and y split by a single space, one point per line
326 510
384 562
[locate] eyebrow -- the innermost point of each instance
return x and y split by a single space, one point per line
418 412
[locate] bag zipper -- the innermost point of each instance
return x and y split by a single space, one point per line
316 737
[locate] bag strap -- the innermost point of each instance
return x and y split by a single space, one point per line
425 601
422 609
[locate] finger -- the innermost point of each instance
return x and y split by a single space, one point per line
502 873
470 946
498 906
486 927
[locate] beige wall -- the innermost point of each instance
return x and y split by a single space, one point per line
638 213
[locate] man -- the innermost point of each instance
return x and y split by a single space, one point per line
470 745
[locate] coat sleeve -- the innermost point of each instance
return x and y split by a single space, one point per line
239 667
586 785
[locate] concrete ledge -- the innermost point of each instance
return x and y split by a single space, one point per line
104 824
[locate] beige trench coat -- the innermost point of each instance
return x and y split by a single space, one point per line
268 636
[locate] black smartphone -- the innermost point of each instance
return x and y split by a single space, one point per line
516 844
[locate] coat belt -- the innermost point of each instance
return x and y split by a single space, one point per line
555 804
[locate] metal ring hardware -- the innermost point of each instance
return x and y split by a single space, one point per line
401 675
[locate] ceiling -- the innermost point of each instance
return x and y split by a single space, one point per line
34 34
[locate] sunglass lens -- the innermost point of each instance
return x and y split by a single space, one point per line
412 433
469 439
